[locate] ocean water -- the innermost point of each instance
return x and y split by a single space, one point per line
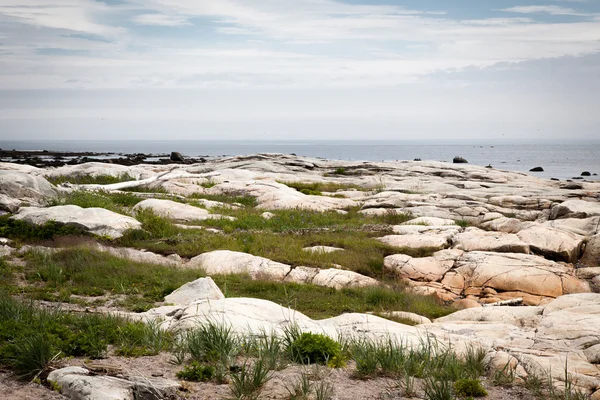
562 161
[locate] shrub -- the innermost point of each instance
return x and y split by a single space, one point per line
469 388
196 372
315 348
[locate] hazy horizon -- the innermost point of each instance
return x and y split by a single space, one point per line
504 71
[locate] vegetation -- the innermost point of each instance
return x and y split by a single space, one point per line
86 179
317 188
466 387
312 348
25 232
32 337
118 202
197 372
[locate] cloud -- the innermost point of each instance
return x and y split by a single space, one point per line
552 10
160 20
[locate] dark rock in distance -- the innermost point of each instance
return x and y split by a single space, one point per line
459 160
572 186
577 177
177 157
586 173
536 169
489 166
554 179
417 159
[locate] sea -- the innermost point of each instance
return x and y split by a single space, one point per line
559 160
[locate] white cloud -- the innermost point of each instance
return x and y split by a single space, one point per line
552 10
160 20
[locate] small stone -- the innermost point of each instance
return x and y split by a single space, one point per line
536 169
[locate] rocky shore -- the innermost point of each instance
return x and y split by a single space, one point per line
511 260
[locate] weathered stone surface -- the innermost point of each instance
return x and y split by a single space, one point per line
339 279
473 239
200 289
20 189
430 221
95 220
518 272
176 211
464 304
591 255
76 383
503 224
575 209
414 318
431 239
222 262
422 269
582 227
322 249
551 243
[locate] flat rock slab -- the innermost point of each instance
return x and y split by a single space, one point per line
76 383
474 239
175 211
510 272
94 220
225 262
431 269
437 240
575 209
552 243
322 249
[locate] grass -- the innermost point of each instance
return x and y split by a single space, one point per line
87 272
280 239
85 179
229 198
24 232
32 337
317 188
82 271
118 202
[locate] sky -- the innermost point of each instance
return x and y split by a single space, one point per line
428 70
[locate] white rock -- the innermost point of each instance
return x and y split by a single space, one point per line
94 220
176 211
473 239
322 249
575 209
267 215
221 262
18 188
200 289
436 240
552 243
430 221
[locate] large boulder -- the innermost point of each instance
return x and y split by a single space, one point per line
18 189
591 255
77 383
473 239
175 211
430 269
575 209
94 220
225 262
200 289
512 272
552 243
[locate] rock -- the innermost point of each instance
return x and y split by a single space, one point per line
200 289
415 318
536 169
430 221
509 272
463 304
572 186
417 241
94 220
430 269
591 255
176 211
176 156
575 209
473 239
518 316
577 226
322 249
18 189
552 243
503 224
459 160
225 262
267 215
339 279
76 383
586 173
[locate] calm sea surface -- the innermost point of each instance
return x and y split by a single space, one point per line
562 161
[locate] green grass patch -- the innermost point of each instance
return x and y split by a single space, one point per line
85 179
32 337
118 202
316 188
83 271
229 198
26 232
